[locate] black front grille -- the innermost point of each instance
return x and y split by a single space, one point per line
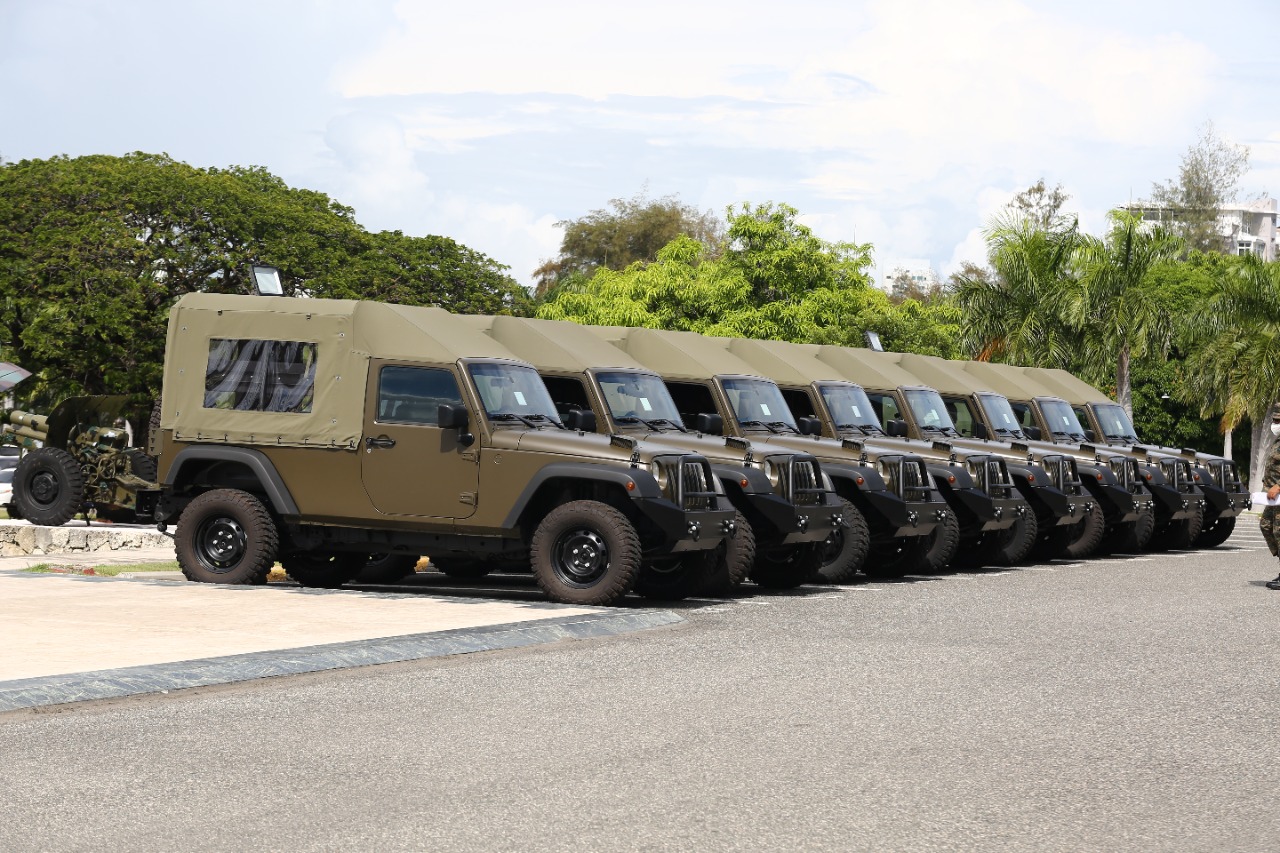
804 483
914 479
999 484
695 486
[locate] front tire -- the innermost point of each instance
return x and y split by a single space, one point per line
846 551
677 577
48 486
899 558
943 543
585 552
1217 532
735 558
226 536
1088 535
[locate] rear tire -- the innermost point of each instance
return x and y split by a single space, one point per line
585 552
462 568
846 552
323 570
387 568
226 536
48 486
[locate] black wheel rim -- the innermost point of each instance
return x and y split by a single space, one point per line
221 543
580 557
44 488
832 547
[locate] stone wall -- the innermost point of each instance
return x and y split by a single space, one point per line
19 539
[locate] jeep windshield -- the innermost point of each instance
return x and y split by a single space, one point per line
513 393
1001 417
639 398
930 412
850 408
1061 420
758 403
1115 423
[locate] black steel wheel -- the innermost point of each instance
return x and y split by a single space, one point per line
226 536
323 570
585 552
48 486
845 552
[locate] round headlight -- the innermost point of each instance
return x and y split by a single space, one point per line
661 473
773 471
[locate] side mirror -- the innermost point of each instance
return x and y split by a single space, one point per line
980 431
1089 435
583 420
455 417
1033 433
809 426
710 424
896 428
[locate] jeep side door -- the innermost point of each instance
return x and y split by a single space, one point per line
410 466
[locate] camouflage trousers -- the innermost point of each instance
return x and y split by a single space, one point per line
1268 524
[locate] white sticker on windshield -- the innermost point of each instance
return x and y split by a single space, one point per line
520 398
1007 417
857 413
1065 422
644 404
765 409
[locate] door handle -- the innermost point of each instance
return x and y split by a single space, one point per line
381 441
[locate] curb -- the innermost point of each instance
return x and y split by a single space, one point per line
162 678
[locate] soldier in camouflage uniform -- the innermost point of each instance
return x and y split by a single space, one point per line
1270 520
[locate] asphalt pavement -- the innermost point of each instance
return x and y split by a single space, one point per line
1114 704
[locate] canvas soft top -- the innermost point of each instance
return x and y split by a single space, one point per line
946 377
1066 385
784 362
871 369
346 334
558 345
677 355
1005 379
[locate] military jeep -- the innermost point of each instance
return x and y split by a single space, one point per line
320 432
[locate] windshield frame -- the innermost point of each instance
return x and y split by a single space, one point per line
1046 403
1117 409
994 415
944 426
779 419
664 405
855 390
538 405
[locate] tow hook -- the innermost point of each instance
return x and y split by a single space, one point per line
803 523
913 518
999 511
695 530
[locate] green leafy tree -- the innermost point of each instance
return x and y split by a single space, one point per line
1015 311
1208 177
1121 314
94 250
1042 205
627 231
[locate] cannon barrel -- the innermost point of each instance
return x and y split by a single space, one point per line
26 432
40 423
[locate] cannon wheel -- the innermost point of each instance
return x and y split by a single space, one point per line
48 486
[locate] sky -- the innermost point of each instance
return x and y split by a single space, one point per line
907 125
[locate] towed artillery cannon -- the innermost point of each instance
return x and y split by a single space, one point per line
77 459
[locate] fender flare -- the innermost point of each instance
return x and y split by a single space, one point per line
645 484
255 460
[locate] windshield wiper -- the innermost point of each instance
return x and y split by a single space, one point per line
759 424
1005 431
528 420
654 424
783 424
865 429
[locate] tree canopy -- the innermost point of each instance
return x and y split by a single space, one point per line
1208 177
94 250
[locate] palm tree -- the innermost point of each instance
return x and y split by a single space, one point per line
1017 314
1119 314
1236 368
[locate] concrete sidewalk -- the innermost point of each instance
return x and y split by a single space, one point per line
67 638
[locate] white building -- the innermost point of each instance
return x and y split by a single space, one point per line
1246 227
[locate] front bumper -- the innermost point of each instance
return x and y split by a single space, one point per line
688 530
890 517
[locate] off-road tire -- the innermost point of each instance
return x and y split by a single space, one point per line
322 570
48 486
1053 542
735 556
787 566
1181 534
943 543
1007 547
903 557
1130 537
462 568
677 577
226 536
1216 532
608 559
844 555
142 465
1087 534
387 568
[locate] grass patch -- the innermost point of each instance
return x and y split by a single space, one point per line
102 571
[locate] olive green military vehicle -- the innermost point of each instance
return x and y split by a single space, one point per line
987 506
789 525
321 432
719 392
1177 501
1122 518
1224 494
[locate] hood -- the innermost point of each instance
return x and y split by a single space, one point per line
714 447
569 443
